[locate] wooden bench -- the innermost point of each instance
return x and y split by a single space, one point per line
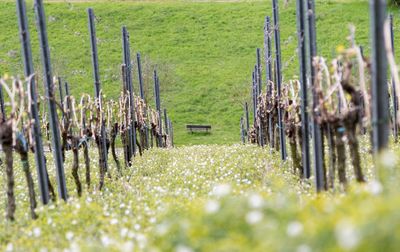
198 128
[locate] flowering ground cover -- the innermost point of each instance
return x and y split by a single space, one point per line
211 198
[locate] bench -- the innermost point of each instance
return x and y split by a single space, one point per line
197 128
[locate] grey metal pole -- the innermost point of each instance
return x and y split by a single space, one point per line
257 70
28 69
66 87
363 130
279 78
259 79
141 91
317 132
258 91
96 76
67 94
128 82
159 111
302 50
267 53
158 105
246 111
166 121
60 89
131 91
380 101
139 65
394 94
2 110
242 130
254 95
48 83
93 44
171 132
268 72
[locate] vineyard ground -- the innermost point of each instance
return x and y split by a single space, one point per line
204 51
210 198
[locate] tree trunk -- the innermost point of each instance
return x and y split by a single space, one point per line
87 163
10 182
75 166
341 154
332 157
113 150
355 154
31 186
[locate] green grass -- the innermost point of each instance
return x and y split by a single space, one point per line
205 51
210 198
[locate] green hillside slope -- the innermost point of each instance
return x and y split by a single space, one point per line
205 51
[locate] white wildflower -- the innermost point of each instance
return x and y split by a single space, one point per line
124 232
388 159
114 221
142 240
36 232
69 235
375 187
74 247
347 235
127 246
221 190
212 206
254 217
183 248
162 229
9 247
294 229
255 201
105 241
303 248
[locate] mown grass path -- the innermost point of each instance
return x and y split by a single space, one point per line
209 198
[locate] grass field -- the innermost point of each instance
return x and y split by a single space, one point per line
210 198
204 51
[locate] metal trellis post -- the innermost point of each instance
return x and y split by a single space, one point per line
49 87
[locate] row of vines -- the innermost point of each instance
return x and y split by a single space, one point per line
71 123
323 113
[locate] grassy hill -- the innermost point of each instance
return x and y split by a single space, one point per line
204 51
